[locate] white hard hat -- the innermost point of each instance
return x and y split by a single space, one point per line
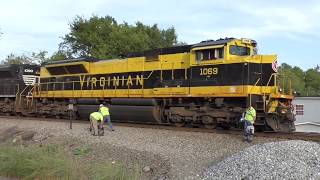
101 105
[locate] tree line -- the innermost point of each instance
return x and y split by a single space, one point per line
105 38
305 83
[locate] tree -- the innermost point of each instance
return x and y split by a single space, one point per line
104 37
14 59
313 82
40 57
60 55
293 74
34 58
306 83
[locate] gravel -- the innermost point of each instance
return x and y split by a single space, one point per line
275 160
168 154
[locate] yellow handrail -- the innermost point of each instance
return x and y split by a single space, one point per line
20 95
273 75
255 84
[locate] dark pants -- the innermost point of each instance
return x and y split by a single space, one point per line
108 120
246 124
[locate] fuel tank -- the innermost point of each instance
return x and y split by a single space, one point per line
120 101
125 113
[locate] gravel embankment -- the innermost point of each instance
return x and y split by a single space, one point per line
275 160
169 154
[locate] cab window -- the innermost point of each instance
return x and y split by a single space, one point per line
209 54
239 50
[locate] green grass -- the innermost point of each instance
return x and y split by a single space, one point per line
53 162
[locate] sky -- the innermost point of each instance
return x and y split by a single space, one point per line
288 28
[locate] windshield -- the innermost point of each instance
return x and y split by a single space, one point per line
239 50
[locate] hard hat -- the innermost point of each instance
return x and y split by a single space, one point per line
101 105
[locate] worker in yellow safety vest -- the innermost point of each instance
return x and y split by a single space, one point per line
249 119
250 115
104 110
96 120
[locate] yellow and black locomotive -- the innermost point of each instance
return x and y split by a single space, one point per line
208 84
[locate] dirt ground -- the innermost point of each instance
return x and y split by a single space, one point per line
156 154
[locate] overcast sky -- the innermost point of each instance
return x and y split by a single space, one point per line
290 29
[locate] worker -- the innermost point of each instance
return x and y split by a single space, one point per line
96 121
249 119
104 110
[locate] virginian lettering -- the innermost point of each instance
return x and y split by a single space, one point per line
106 82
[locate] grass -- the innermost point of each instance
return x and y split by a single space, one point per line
53 162
113 172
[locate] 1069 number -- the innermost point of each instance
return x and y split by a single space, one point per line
208 71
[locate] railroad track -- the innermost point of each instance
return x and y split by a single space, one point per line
307 136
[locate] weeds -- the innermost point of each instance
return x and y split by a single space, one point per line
113 171
53 162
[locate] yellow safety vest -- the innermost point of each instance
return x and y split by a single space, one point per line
97 116
104 111
250 114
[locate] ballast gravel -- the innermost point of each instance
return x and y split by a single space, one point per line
276 160
160 154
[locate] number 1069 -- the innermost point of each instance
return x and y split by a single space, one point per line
208 71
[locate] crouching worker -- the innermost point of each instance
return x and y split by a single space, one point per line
249 118
96 124
104 110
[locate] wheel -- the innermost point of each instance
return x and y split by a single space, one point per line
209 122
179 124
210 126
225 127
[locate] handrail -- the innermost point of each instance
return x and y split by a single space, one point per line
22 92
275 80
16 100
255 84
274 75
275 85
72 82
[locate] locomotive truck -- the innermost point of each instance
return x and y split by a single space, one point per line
208 84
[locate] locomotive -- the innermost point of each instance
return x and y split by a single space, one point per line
16 81
208 84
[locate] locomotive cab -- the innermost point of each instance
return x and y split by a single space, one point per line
222 50
232 71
